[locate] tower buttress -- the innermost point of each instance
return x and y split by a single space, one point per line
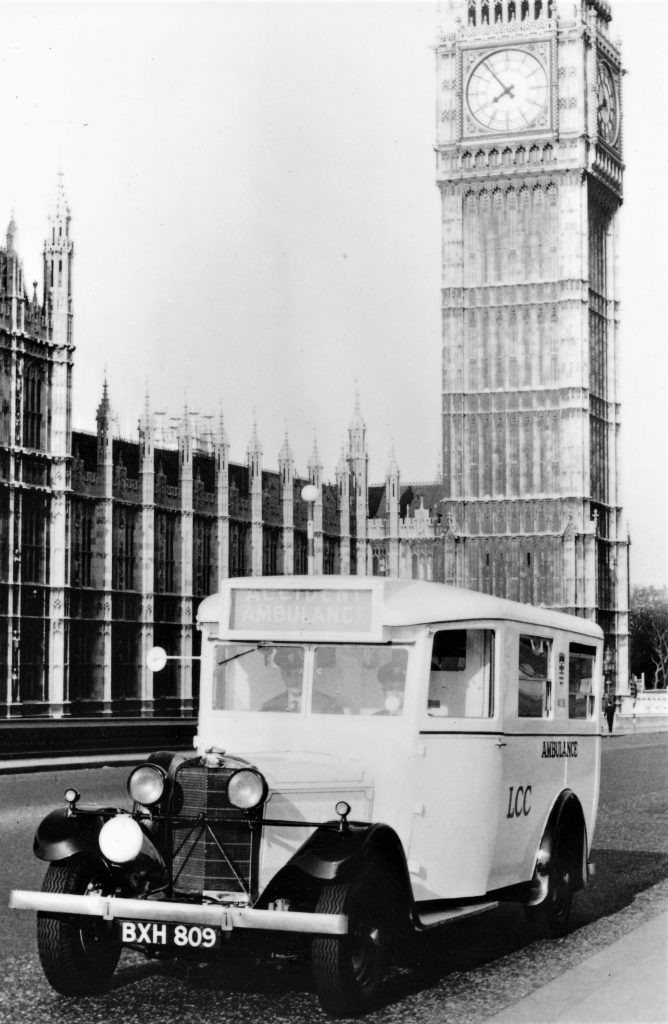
315 477
343 497
222 456
58 256
286 470
254 455
146 551
392 502
359 465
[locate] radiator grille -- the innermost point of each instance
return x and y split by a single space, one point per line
198 863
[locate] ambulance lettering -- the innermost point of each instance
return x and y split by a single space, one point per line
519 802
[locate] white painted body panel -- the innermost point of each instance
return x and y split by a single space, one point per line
443 784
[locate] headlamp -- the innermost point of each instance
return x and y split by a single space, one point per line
146 784
120 839
246 789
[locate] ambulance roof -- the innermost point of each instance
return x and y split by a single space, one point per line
410 602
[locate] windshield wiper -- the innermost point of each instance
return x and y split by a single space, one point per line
248 650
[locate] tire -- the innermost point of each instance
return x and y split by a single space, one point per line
348 970
78 954
550 919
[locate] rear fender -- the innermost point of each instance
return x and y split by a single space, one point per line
565 828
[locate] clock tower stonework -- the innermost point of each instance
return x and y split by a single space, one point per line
529 166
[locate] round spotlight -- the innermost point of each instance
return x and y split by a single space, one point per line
120 839
246 789
146 784
342 808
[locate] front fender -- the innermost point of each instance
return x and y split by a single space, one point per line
61 834
335 856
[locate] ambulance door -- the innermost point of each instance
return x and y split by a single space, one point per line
458 772
529 785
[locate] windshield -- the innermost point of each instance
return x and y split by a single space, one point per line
325 679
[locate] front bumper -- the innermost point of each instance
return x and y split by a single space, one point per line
111 908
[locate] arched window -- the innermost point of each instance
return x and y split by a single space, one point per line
32 409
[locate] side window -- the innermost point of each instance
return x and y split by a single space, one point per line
534 683
581 660
461 681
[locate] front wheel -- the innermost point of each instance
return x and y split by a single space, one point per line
549 919
348 970
78 954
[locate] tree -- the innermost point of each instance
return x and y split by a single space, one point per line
648 628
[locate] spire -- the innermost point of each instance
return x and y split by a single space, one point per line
357 423
104 408
11 233
254 446
146 428
62 210
342 465
314 466
254 455
222 433
357 433
392 468
285 454
58 255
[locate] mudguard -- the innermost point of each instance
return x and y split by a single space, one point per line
334 856
62 834
565 824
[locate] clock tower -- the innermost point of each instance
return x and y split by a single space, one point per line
529 166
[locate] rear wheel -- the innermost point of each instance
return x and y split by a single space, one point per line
78 954
550 919
348 970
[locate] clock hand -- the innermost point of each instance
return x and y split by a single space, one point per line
493 72
508 90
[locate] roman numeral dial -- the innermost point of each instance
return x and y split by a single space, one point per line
507 91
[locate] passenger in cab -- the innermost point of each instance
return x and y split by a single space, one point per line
392 678
291 664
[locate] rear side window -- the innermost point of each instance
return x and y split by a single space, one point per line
461 680
581 660
534 677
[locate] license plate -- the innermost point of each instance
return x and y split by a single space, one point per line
157 933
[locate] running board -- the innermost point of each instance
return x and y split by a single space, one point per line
435 917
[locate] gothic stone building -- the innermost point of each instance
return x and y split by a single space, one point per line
107 544
529 166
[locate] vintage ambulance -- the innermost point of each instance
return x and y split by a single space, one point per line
375 757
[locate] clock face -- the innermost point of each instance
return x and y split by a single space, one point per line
507 91
608 120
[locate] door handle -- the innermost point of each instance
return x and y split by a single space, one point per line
500 743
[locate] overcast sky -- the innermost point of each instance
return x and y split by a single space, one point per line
257 227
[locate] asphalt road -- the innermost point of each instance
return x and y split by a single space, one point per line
468 972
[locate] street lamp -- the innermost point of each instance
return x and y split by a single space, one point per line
310 494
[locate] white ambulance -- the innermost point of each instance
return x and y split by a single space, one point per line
375 757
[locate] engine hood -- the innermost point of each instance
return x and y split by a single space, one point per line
297 770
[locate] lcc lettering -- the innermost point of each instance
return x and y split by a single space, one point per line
519 802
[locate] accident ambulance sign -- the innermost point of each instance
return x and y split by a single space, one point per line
303 611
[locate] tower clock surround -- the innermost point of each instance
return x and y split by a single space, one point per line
507 90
